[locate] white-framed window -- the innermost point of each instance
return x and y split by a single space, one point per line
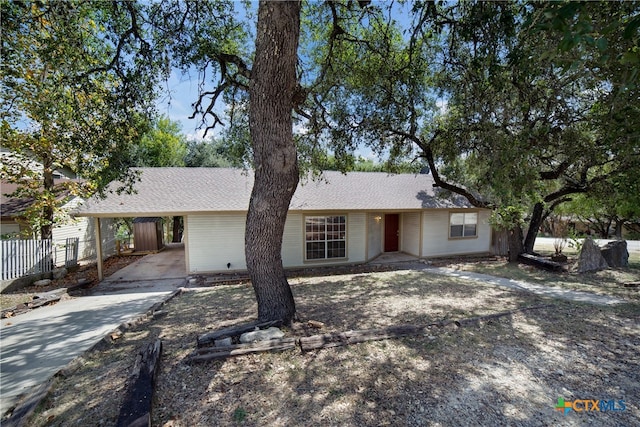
325 237
463 224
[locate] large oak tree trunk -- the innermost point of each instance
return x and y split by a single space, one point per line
271 93
537 218
515 243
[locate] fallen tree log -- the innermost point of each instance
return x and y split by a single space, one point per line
136 408
212 353
46 298
232 331
36 301
540 262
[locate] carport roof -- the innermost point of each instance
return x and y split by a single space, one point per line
181 191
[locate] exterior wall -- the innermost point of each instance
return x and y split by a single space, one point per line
436 241
83 228
293 241
374 234
9 228
213 240
356 237
410 233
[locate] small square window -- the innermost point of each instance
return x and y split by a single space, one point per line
463 224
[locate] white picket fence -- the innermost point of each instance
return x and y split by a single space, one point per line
25 257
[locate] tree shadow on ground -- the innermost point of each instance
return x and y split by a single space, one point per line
505 371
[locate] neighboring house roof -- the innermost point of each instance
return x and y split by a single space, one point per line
178 191
14 207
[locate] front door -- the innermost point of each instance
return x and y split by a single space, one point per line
391 232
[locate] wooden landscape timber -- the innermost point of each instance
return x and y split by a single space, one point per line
136 408
213 353
329 340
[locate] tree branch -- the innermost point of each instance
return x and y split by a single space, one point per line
439 182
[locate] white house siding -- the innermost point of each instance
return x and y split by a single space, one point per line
82 228
215 240
436 242
374 234
293 241
410 229
357 237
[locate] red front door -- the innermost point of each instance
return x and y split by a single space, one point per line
391 232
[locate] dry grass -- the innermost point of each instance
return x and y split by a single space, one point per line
509 371
606 282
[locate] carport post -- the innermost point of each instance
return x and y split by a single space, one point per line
98 247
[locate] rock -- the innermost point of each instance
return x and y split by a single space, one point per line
315 324
590 258
616 254
223 342
59 273
263 335
43 282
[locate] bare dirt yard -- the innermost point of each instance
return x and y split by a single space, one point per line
504 371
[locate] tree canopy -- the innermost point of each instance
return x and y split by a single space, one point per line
74 96
515 105
504 109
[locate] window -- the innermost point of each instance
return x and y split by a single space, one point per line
463 224
325 237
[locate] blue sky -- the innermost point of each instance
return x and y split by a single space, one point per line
180 92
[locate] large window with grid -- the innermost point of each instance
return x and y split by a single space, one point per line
325 237
463 224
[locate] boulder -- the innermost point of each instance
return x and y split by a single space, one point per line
261 335
590 258
59 273
43 282
616 254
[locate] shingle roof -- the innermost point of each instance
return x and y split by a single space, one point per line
12 207
178 191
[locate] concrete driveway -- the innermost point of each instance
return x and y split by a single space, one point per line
36 345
